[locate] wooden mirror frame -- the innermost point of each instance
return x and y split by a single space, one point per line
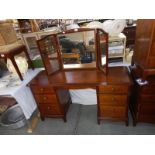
99 66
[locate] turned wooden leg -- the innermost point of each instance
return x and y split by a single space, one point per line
134 123
16 67
127 122
28 57
98 121
42 118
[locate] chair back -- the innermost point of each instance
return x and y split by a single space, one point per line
7 33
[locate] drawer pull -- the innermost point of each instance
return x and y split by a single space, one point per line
45 98
41 89
48 108
112 89
112 98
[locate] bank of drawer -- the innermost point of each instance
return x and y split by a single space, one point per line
114 100
46 98
113 89
147 99
42 90
49 109
111 111
149 89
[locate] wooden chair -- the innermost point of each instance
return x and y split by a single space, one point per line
10 46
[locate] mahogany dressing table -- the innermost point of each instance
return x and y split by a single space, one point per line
51 86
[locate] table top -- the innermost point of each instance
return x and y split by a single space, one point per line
116 75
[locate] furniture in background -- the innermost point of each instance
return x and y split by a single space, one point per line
52 85
130 33
6 102
143 73
142 103
30 41
117 45
10 46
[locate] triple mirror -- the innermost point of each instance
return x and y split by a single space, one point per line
75 49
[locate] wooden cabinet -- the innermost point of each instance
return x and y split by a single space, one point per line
144 54
130 33
142 104
51 102
113 102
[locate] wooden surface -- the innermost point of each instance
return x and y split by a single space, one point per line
142 104
130 33
144 53
112 91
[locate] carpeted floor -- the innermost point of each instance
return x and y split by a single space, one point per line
82 120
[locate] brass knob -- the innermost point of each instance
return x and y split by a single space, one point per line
48 108
112 89
112 98
41 89
45 98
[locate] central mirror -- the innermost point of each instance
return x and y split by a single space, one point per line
78 49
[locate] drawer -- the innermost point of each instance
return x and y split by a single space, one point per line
114 100
46 98
113 89
150 89
41 90
114 112
147 99
49 109
147 110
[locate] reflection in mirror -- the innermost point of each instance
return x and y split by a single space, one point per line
49 53
78 49
102 42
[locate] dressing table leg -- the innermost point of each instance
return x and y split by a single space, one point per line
42 118
127 122
98 121
64 118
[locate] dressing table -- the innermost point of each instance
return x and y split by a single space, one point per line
51 86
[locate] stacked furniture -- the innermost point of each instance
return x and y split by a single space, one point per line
142 103
10 46
117 45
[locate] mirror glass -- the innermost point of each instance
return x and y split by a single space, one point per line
78 49
102 47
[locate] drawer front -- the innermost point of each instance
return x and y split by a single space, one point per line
46 98
113 89
42 90
49 109
150 89
147 109
113 112
113 100
147 99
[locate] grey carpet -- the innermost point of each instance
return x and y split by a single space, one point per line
82 120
